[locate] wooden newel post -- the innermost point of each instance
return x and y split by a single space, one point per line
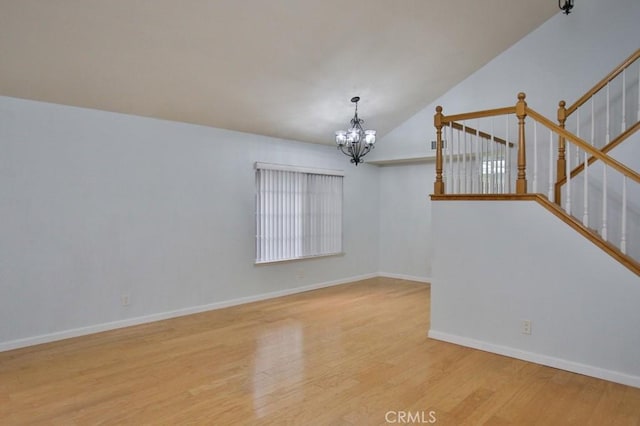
521 113
561 165
438 186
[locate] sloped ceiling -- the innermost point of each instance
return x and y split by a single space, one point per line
283 68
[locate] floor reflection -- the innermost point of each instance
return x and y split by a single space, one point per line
278 367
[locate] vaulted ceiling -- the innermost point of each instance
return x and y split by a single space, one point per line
283 68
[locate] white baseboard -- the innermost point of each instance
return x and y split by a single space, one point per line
426 280
97 328
563 364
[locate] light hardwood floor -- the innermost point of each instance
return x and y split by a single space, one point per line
355 354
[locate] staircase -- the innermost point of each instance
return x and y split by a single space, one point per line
583 169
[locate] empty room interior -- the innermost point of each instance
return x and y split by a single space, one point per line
320 212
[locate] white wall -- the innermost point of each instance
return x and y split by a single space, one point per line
95 205
405 220
498 263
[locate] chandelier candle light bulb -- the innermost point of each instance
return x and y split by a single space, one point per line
355 142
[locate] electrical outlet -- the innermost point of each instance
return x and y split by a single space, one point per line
300 274
125 300
526 327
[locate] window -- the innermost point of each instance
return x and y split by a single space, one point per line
493 176
298 212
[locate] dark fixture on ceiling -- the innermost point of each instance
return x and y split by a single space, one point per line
566 6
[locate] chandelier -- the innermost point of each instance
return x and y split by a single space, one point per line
355 142
566 7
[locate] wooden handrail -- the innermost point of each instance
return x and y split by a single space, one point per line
613 74
478 114
585 146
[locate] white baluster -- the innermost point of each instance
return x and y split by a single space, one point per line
450 147
444 157
479 165
500 177
485 158
535 156
451 164
459 160
604 202
623 237
578 135
507 180
449 186
507 152
593 122
568 173
585 214
608 133
457 177
463 164
464 157
505 172
638 113
485 155
550 190
470 163
468 143
624 106
492 159
478 175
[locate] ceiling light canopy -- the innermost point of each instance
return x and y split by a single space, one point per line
355 142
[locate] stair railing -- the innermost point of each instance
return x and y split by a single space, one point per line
606 115
481 160
608 108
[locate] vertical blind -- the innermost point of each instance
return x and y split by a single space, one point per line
298 212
